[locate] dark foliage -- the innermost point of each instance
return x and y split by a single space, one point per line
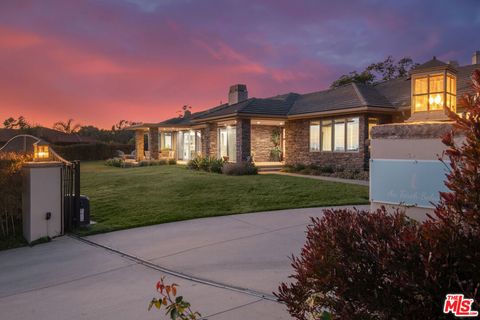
380 71
208 164
240 169
93 151
360 265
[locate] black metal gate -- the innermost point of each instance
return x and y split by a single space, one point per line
71 194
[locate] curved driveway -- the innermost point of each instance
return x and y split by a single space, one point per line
71 279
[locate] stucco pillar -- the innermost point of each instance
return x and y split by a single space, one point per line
139 145
243 137
153 142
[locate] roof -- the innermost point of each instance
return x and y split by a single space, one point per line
390 95
50 135
348 96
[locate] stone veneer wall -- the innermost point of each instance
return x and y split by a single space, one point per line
297 146
139 145
153 143
262 142
211 148
243 137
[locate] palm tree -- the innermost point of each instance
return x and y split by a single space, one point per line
67 127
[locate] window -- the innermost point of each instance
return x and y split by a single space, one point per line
167 140
433 92
352 134
327 135
341 134
315 136
227 138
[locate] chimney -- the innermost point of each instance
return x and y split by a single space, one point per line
237 93
476 57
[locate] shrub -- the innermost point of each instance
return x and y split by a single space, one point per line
11 195
354 264
172 161
115 162
208 164
317 170
240 169
360 265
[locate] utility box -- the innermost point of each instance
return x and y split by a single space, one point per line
84 212
42 200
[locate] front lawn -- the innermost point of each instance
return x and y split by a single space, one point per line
123 198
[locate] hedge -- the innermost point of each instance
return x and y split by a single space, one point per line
92 151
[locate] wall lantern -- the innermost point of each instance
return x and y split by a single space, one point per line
41 151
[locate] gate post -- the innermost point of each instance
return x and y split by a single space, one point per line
42 200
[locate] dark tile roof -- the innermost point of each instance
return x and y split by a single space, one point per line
390 94
434 63
396 91
273 106
351 95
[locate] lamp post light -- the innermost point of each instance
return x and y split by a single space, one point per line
41 151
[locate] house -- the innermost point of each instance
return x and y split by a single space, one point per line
328 128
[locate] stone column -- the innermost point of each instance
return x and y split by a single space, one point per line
243 137
153 142
139 145
205 150
212 140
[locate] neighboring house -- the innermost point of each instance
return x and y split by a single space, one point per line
50 135
329 128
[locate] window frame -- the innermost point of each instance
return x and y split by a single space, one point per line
444 92
333 121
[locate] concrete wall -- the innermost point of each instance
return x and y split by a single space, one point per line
42 194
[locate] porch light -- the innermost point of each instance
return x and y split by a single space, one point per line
41 151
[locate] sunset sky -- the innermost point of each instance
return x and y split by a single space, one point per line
141 60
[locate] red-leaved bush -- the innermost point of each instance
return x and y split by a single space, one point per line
379 265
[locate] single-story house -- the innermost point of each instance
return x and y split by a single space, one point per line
328 128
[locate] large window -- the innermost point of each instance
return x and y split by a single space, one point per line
227 139
166 140
338 135
315 136
433 92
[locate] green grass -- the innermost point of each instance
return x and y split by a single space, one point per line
130 197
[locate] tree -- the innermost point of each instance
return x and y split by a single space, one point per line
122 124
67 127
20 123
384 70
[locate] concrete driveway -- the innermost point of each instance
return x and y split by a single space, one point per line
227 267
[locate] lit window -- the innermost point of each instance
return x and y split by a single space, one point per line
327 135
352 134
433 92
315 136
339 136
167 140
